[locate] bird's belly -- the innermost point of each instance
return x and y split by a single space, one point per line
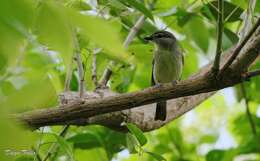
167 68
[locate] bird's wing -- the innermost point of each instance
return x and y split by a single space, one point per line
152 78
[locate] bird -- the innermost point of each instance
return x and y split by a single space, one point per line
167 65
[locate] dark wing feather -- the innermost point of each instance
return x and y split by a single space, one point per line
152 78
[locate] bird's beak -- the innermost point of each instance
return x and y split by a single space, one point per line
148 38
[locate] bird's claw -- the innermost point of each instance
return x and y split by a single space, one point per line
158 85
175 82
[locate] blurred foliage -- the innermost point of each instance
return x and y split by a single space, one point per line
38 42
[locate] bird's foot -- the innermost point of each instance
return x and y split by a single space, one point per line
158 85
175 82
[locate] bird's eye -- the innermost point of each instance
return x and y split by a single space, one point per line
159 36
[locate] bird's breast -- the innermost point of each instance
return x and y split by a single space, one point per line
167 66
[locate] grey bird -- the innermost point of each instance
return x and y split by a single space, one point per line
167 64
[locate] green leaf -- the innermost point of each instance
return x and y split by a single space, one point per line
215 155
229 39
131 143
190 56
231 35
257 7
3 64
102 33
252 145
54 29
16 19
98 137
122 80
242 129
139 6
95 154
195 27
25 158
7 88
23 13
208 139
221 155
85 141
243 4
25 86
156 156
232 12
183 16
38 60
137 133
79 5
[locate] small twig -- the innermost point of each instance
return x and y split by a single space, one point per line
94 68
240 46
248 113
106 75
134 30
68 76
251 74
54 146
81 74
220 27
80 66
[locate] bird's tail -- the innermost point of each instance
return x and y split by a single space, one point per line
160 113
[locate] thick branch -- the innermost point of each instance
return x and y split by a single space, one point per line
199 83
94 107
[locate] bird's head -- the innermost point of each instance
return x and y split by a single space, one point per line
163 39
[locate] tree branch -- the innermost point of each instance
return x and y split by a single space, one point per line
251 74
215 67
94 107
240 46
199 83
